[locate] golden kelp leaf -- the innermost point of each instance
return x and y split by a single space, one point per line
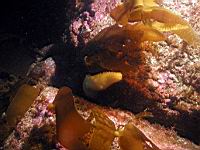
136 15
120 14
70 126
151 3
149 34
23 99
156 14
164 27
189 36
165 20
163 15
184 31
136 3
112 31
133 139
114 35
103 134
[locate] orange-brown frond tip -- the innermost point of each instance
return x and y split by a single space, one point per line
133 138
152 35
23 99
70 126
163 15
103 133
120 14
184 31
151 3
149 34
190 36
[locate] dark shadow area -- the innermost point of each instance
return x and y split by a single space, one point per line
29 26
186 124
37 22
41 138
70 70
26 27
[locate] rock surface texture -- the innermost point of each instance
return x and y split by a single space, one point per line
165 83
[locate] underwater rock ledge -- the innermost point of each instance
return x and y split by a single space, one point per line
170 91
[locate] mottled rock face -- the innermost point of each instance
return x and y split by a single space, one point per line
93 18
171 84
165 82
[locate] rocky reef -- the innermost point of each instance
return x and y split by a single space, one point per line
159 75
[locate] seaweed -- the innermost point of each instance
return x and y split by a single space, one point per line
120 48
156 17
70 126
72 129
133 139
20 103
103 133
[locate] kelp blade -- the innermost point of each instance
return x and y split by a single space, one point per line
151 3
120 14
149 34
184 31
133 139
23 99
163 15
103 134
70 126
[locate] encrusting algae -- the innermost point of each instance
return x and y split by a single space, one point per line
98 128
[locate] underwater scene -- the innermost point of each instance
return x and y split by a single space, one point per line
100 75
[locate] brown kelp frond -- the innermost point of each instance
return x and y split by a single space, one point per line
103 133
162 15
149 34
151 3
113 31
128 32
189 36
165 27
98 132
133 139
184 31
115 43
21 102
125 13
158 18
121 14
70 126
